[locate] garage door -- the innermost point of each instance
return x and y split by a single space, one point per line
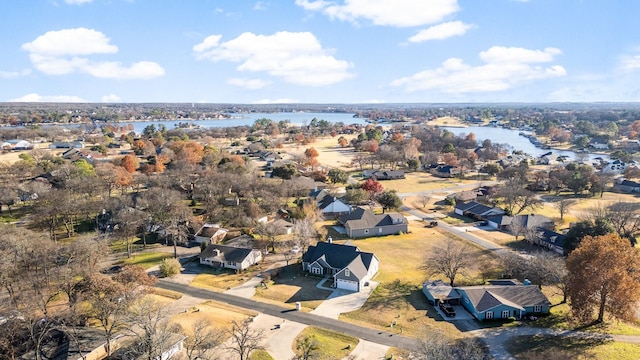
347 285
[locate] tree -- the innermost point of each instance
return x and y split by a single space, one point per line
389 200
286 171
147 322
343 142
337 176
584 228
436 346
201 340
563 206
307 348
244 340
449 260
373 187
130 163
603 277
169 267
424 200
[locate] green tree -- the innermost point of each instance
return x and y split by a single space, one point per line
169 267
389 200
337 176
603 277
286 171
579 231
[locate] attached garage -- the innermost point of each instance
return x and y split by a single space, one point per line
347 285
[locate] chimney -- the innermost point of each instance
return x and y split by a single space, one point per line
329 240
216 252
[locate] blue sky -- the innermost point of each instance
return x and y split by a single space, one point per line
320 51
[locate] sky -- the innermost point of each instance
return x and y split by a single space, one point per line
319 51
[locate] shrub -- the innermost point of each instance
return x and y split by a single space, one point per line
169 267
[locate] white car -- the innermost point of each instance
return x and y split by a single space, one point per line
296 249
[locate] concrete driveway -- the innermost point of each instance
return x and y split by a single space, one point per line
461 313
343 301
366 350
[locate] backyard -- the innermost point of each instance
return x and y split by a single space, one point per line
292 285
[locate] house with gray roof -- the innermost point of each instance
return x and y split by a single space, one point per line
364 223
350 268
501 299
222 256
530 221
477 210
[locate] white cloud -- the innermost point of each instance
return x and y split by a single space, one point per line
77 2
111 98
277 101
78 41
399 13
33 97
296 57
260 5
630 62
251 84
66 51
14 74
441 31
504 69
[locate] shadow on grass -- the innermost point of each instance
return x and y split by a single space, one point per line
554 347
294 276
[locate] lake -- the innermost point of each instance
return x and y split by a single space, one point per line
511 137
247 119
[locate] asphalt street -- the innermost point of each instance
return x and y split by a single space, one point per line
389 338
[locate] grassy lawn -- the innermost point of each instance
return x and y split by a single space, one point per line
223 279
565 347
421 181
332 345
217 314
399 296
291 286
147 259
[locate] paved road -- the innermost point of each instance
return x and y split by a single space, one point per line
372 335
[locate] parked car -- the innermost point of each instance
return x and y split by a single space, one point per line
448 310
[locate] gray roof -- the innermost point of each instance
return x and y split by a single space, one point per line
227 253
365 219
441 290
340 256
484 298
530 221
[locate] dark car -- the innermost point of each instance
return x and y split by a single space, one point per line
448 310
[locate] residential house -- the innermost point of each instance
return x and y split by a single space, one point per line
476 210
627 186
364 223
512 160
530 221
283 227
332 206
16 145
230 257
446 171
350 268
464 196
437 291
490 302
388 174
66 145
210 234
553 241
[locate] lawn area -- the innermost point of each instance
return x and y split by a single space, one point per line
403 304
332 345
421 181
223 279
566 347
411 248
260 355
146 259
399 297
291 286
217 314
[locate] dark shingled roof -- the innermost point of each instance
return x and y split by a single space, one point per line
227 253
365 219
340 256
518 296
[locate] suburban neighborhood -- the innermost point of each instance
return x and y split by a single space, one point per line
357 241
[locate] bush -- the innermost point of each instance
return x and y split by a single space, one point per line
169 267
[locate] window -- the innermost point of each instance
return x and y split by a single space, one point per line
537 308
505 314
347 272
489 315
380 230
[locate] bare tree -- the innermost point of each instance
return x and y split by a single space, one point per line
449 260
307 347
436 346
147 322
563 206
201 341
517 226
305 231
244 340
424 200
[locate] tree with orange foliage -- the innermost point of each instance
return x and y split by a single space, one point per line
130 163
343 142
312 157
188 151
372 187
603 276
